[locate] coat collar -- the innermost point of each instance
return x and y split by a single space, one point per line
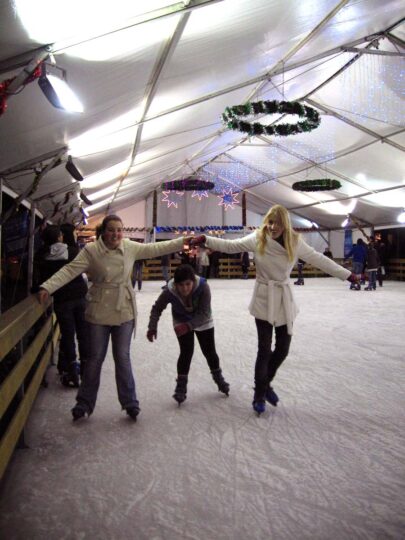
104 249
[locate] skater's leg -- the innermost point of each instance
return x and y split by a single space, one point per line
206 340
67 359
99 336
186 343
121 341
264 335
82 332
281 348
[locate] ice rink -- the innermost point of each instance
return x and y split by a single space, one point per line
326 464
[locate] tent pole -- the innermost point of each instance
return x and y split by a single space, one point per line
31 239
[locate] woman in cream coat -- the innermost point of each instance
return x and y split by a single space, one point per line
110 309
276 248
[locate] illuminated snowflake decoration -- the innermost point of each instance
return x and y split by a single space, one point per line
172 198
200 194
228 199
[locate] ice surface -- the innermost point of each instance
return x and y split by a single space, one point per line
327 463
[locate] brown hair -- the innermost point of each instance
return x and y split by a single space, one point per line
106 221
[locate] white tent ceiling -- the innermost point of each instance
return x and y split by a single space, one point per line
155 77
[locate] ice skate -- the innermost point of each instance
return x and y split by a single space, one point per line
271 396
133 412
180 392
259 406
78 412
223 386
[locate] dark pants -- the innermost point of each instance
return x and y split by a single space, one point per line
70 315
137 276
268 361
207 343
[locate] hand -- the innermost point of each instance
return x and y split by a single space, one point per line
43 296
182 329
198 240
353 278
151 335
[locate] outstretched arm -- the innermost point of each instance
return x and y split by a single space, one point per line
68 272
311 256
155 249
247 243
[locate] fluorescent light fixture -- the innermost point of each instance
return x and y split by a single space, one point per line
73 170
84 198
345 223
315 225
58 93
401 217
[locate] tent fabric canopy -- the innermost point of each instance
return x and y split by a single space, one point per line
155 77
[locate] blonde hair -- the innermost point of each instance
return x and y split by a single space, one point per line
278 214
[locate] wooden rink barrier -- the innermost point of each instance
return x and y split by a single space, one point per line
29 332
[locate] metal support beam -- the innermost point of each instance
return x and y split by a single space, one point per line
27 71
31 163
31 239
376 52
331 112
152 89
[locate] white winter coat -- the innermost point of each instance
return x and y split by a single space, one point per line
273 298
111 297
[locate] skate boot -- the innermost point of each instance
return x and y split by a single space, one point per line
180 392
299 281
259 406
133 412
271 396
223 386
79 411
70 378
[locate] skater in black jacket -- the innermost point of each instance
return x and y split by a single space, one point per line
190 297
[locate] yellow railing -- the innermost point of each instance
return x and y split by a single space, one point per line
20 385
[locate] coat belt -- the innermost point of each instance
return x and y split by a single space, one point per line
285 287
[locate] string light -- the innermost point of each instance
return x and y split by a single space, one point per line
228 199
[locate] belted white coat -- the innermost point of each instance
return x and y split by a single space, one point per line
273 297
111 298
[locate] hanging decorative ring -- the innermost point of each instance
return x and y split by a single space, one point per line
322 184
231 118
188 184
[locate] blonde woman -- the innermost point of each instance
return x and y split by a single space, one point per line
276 248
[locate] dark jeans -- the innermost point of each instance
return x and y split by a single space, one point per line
207 343
137 276
70 315
268 361
121 340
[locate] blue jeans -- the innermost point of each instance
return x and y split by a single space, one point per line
99 336
372 279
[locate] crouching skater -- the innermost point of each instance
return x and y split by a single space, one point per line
190 297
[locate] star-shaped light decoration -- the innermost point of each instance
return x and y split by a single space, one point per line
172 198
228 199
200 194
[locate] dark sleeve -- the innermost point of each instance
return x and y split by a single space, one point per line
157 309
202 314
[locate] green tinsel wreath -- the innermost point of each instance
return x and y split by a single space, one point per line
231 118
322 184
